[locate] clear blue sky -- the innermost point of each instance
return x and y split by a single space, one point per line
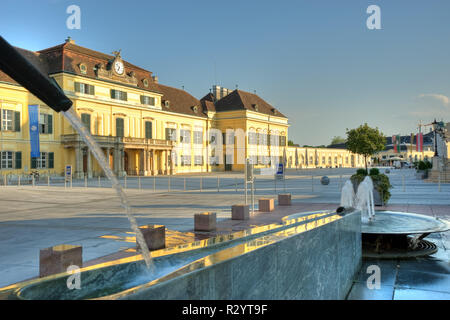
314 60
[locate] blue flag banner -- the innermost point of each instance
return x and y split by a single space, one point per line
33 113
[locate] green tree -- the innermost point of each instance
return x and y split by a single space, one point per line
290 143
365 141
337 140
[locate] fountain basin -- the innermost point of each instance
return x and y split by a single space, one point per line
390 222
308 256
400 235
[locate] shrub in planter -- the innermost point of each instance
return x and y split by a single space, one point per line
381 183
422 169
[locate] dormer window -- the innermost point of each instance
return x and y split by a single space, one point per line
83 68
255 106
195 109
145 82
167 103
274 111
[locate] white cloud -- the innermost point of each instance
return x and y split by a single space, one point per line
440 97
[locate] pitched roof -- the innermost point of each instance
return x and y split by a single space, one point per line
180 101
68 57
242 100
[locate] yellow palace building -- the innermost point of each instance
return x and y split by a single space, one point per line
142 126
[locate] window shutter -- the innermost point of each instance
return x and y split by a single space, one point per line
91 90
18 160
119 127
113 93
77 87
142 100
17 121
148 130
50 123
33 163
124 96
51 160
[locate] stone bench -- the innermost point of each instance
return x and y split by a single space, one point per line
57 259
284 199
154 236
205 221
240 212
266 204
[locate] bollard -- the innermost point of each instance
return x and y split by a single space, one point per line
71 180
184 188
48 181
85 181
32 180
154 183
235 184
218 184
99 185
168 185
340 182
18 182
154 236
139 182
201 183
4 180
125 181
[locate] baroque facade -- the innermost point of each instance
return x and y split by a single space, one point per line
143 127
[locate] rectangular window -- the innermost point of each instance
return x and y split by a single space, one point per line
186 160
84 88
118 95
6 160
148 130
119 127
252 138
45 123
171 134
7 120
45 161
198 160
198 137
86 119
148 100
185 136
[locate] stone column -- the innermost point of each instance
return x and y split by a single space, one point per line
78 170
89 163
166 162
116 161
154 163
121 156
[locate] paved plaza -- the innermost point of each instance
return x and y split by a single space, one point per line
40 216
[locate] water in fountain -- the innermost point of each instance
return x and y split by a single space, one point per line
347 195
364 200
76 123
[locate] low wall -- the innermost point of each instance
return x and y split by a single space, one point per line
315 264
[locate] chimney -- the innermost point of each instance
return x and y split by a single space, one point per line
155 79
70 40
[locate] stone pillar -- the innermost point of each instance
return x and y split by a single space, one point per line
166 162
121 162
172 162
89 163
78 162
144 162
115 161
154 163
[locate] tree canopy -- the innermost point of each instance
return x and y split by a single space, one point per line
337 140
365 140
